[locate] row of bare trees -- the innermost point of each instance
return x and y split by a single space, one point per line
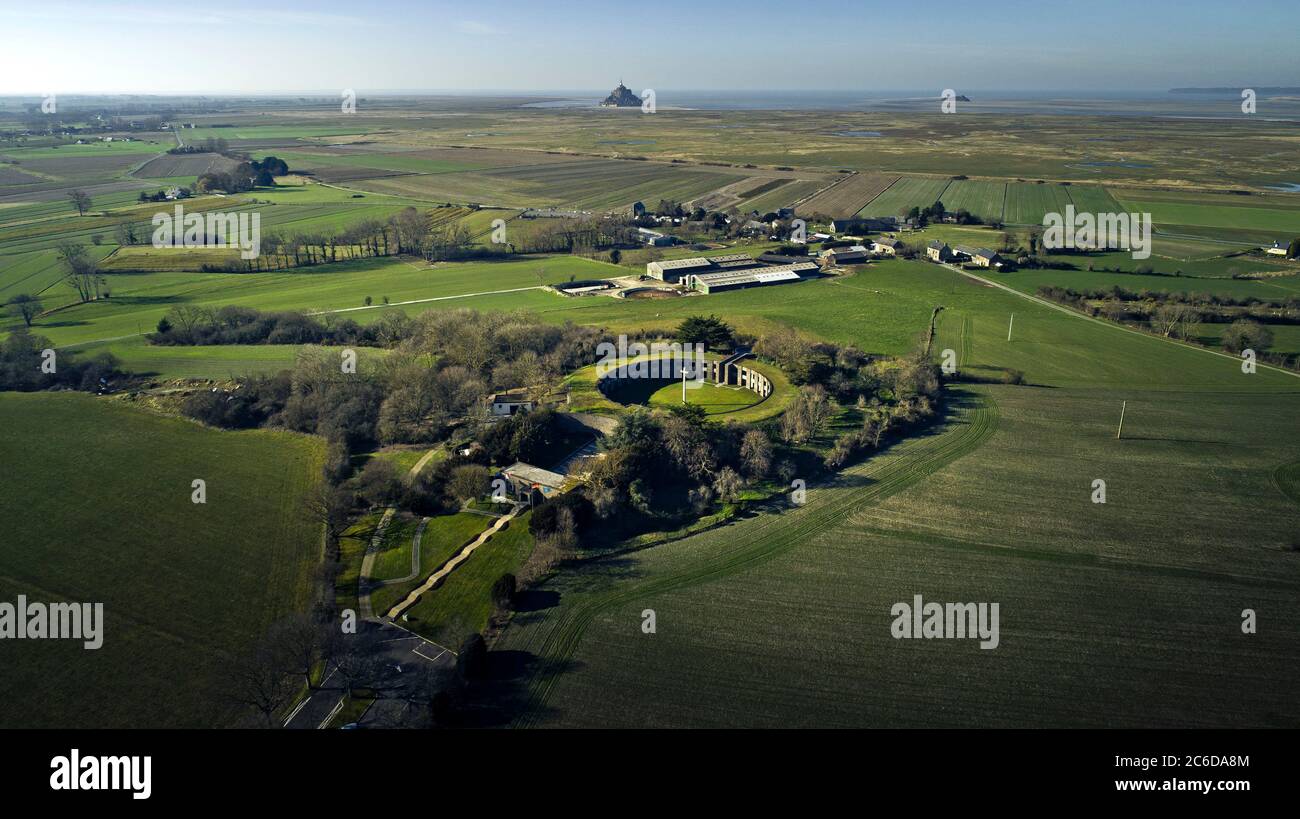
574 236
409 232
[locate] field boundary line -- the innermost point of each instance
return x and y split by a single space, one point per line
822 190
887 189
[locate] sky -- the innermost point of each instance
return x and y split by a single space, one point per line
269 46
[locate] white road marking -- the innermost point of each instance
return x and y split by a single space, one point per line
427 657
332 714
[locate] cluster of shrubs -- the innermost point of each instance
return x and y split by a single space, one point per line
21 367
937 211
1178 314
1121 304
247 175
189 325
908 396
670 467
1163 296
843 371
441 367
535 437
161 196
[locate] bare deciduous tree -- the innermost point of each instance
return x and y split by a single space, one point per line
80 201
329 506
728 484
297 642
1172 319
756 453
259 682
468 482
26 307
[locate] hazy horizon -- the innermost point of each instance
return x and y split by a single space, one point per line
883 93
401 46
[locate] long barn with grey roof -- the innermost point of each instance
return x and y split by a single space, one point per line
674 270
737 279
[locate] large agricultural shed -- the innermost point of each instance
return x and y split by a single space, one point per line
677 269
737 279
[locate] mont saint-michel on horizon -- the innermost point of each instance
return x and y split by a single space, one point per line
621 97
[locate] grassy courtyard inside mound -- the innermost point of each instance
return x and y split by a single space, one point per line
96 496
716 399
721 401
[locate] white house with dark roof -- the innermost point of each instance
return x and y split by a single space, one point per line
509 402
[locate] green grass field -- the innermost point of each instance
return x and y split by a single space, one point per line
1255 219
905 194
1027 202
734 404
444 536
97 499
784 621
140 300
1091 199
980 198
1029 281
461 604
404 458
393 559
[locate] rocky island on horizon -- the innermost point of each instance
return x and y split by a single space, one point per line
621 97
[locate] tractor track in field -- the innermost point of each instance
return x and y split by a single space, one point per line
967 336
778 534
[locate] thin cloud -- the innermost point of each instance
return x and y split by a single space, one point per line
78 13
476 27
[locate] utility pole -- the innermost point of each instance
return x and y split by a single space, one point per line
683 385
1120 432
1010 325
